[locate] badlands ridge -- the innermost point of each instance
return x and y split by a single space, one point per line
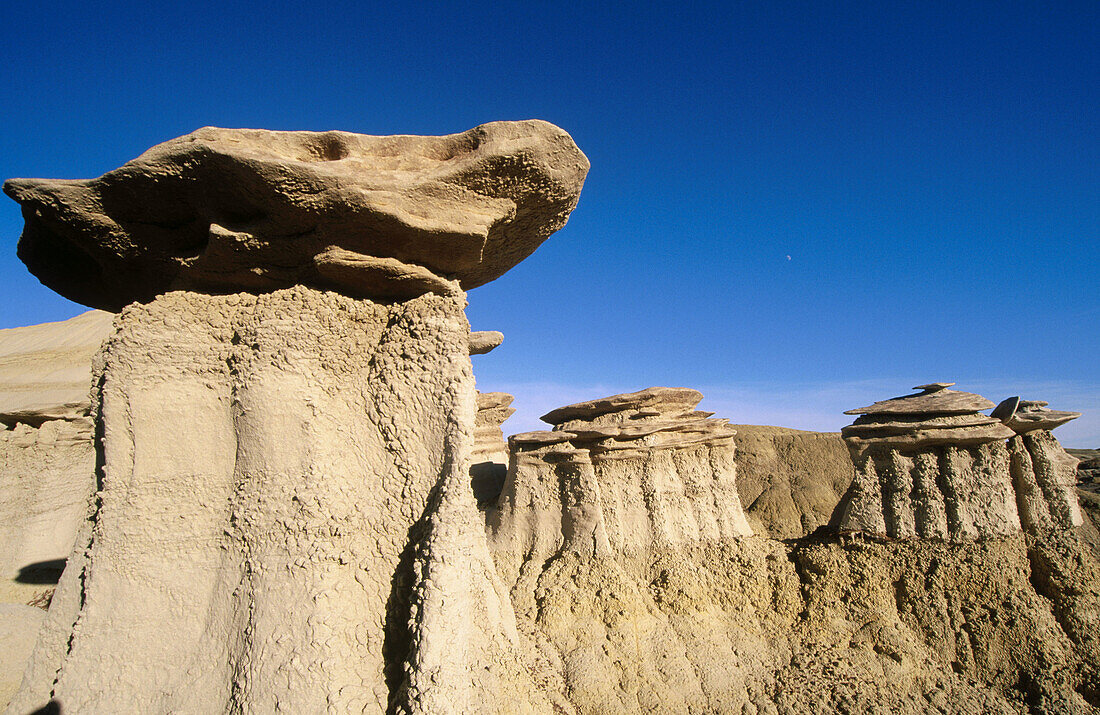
269 484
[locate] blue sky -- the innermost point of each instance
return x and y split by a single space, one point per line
798 208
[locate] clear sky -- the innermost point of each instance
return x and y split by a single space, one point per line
798 208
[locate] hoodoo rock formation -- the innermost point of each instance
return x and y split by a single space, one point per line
620 474
226 210
1043 474
638 587
489 462
931 466
284 519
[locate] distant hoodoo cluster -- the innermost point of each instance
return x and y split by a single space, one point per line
621 473
932 466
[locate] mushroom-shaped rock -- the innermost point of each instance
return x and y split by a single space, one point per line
930 466
231 210
493 408
489 459
620 473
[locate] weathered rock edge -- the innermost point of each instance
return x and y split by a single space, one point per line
225 210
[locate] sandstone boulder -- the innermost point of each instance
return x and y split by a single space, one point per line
933 398
935 416
224 210
650 402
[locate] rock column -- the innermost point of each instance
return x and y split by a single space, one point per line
929 466
1044 475
284 519
489 462
621 474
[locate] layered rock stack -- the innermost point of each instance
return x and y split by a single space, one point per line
489 461
621 474
1043 474
493 408
929 466
287 417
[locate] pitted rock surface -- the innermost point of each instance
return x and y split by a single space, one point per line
285 490
226 210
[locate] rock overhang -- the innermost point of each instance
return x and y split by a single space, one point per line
230 210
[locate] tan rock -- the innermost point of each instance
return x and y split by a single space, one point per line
268 461
358 275
19 624
929 466
492 400
47 459
1027 415
791 481
489 459
664 399
223 210
935 399
1044 475
484 341
47 480
609 480
923 434
540 437
757 625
